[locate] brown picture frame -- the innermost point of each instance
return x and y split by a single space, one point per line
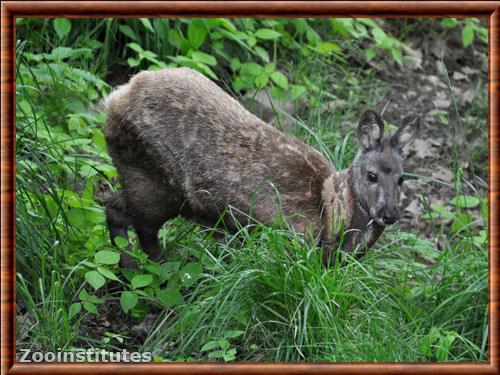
12 9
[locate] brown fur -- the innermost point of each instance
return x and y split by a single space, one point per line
183 146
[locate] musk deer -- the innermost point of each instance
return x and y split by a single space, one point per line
182 146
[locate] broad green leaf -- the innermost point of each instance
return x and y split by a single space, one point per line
280 79
426 249
397 55
170 297
62 26
205 69
438 208
312 36
381 38
227 24
140 281
270 68
467 35
243 82
210 23
121 242
235 64
216 354
461 221
369 54
83 217
128 300
480 239
484 209
262 53
107 273
425 347
99 140
61 53
197 33
135 47
297 91
278 93
209 346
171 267
267 34
230 355
127 30
95 279
133 62
107 257
83 295
224 344
175 38
443 348
155 268
148 55
74 309
233 334
143 293
327 47
251 41
449 22
465 201
251 69
261 81
147 24
190 273
90 307
203 57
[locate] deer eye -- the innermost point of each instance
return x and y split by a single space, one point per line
372 177
400 181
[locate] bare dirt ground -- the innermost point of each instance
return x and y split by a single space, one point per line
448 85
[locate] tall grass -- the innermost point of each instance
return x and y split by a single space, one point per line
270 284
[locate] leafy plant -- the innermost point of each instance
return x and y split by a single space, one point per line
221 348
438 343
470 28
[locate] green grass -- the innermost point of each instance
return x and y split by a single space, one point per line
261 294
270 284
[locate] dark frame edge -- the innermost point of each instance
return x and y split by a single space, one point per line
494 189
7 192
252 8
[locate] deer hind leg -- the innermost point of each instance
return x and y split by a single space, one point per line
118 223
116 216
150 202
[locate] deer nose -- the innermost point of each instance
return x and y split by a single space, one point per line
389 219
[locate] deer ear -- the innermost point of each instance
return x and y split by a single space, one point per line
407 131
370 129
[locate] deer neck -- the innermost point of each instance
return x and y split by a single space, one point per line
338 204
360 212
361 222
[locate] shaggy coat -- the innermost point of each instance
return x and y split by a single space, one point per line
181 145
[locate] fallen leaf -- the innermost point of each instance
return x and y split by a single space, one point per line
443 174
422 148
468 71
414 59
414 208
457 76
441 100
468 96
435 81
